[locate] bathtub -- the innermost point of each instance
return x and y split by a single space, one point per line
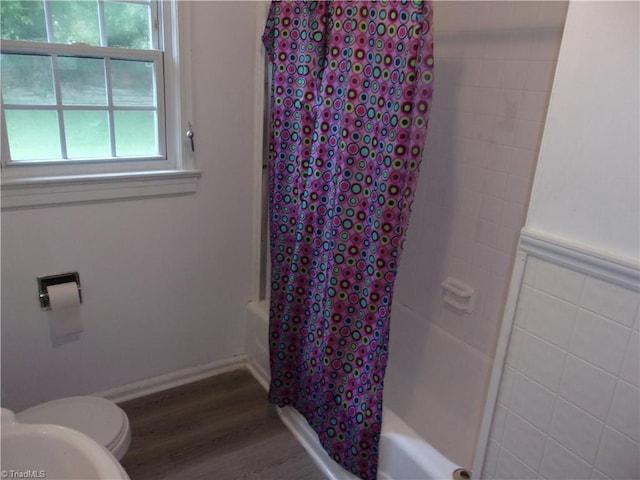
404 455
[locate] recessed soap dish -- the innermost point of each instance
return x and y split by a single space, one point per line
458 294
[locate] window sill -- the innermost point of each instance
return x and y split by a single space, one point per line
78 189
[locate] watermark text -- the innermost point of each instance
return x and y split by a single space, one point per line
23 474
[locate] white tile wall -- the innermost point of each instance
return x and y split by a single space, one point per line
494 66
569 402
541 361
617 455
610 301
524 440
586 386
550 318
532 401
630 371
558 462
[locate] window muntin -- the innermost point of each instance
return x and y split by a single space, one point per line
98 75
106 23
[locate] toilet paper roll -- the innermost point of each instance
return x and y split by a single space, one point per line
64 301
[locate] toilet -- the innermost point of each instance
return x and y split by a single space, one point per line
98 418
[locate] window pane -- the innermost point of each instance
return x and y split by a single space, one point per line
22 20
75 21
27 80
33 134
82 81
132 83
128 25
136 133
87 134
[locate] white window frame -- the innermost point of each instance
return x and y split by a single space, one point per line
35 184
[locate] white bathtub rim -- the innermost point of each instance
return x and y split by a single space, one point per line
394 431
422 453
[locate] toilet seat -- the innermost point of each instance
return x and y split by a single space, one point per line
96 417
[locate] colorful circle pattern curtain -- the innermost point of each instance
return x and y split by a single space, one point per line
352 85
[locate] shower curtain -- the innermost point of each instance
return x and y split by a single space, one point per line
351 89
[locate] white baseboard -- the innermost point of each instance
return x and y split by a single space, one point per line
259 375
173 379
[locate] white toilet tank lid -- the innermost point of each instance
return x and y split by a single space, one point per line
96 417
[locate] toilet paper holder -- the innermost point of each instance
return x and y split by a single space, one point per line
48 280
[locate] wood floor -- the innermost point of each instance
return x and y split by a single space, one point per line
220 428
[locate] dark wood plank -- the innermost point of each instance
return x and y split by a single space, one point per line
219 428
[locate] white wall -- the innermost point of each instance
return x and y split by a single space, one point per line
165 281
569 398
494 66
587 182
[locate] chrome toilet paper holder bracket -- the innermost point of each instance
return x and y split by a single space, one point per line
48 280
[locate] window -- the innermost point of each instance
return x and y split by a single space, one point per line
91 93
